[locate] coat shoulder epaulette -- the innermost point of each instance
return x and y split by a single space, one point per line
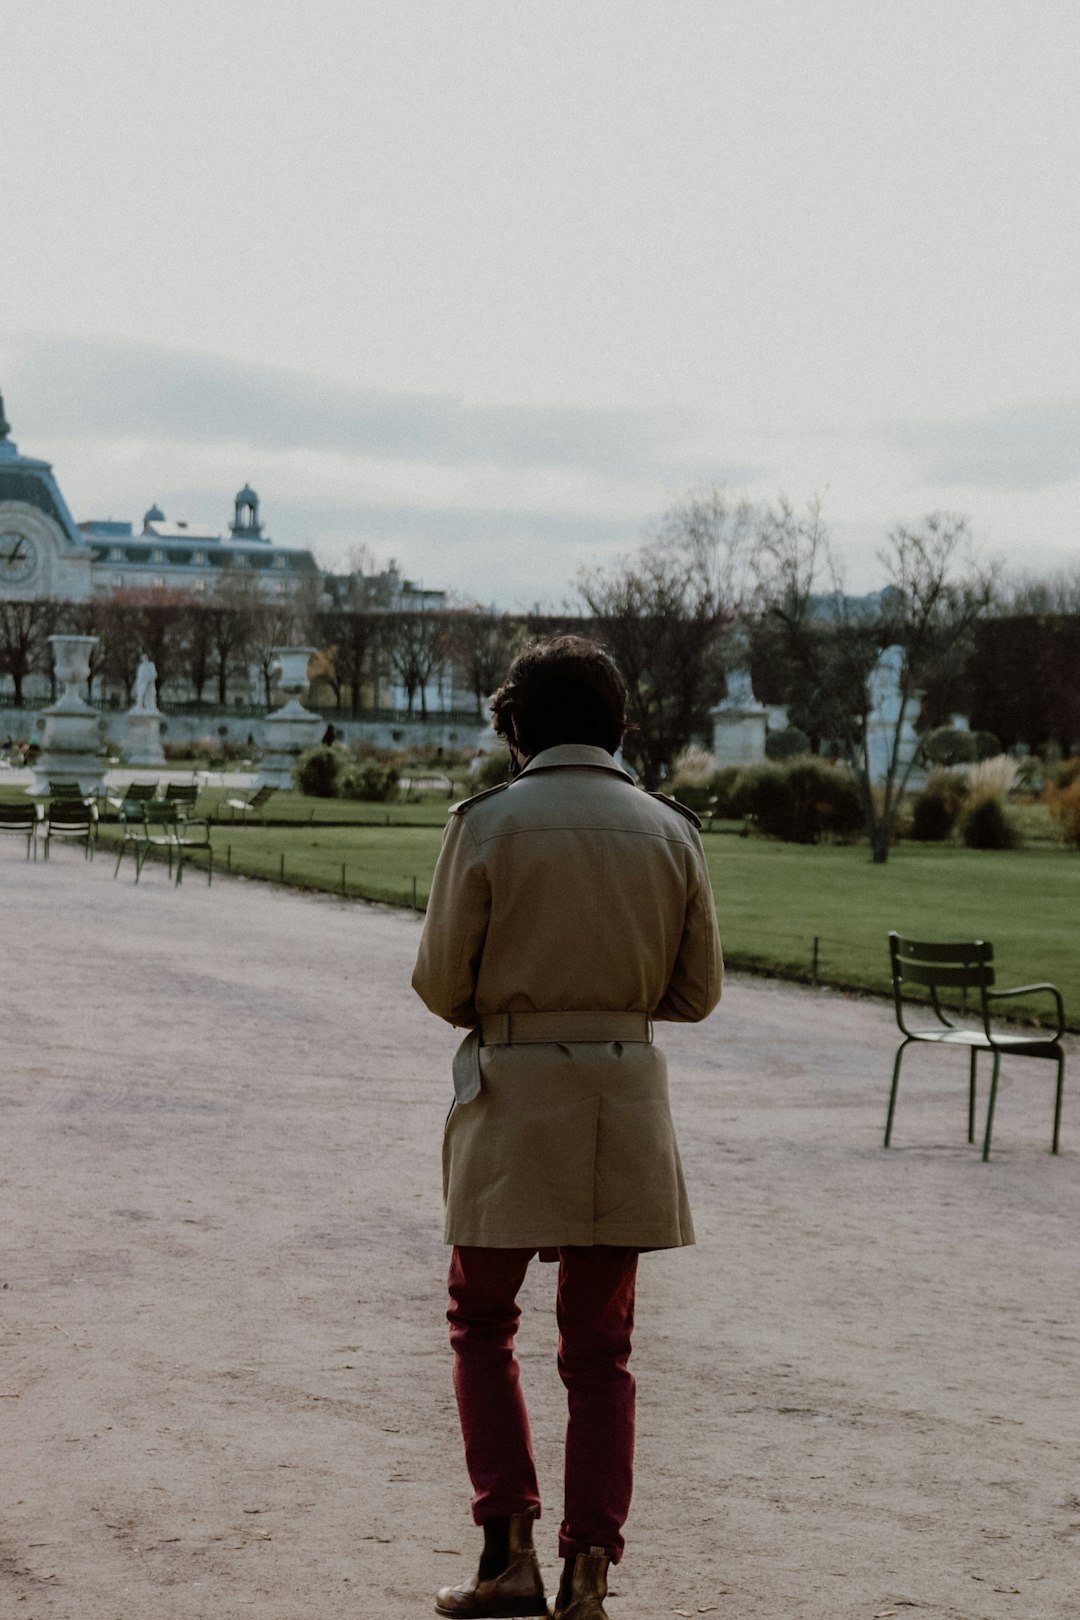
673 804
464 805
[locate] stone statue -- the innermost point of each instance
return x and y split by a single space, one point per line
146 686
886 686
740 692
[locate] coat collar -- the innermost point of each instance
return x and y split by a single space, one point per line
575 755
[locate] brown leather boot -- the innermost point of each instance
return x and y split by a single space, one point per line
517 1589
584 1587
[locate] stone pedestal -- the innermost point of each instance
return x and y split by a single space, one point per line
739 735
143 746
71 743
291 730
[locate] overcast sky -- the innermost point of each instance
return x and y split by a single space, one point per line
485 286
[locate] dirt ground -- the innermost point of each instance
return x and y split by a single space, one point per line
224 1377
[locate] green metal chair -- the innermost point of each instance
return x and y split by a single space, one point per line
158 824
25 820
74 819
134 790
184 795
968 967
253 806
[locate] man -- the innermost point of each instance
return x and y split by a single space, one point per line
569 910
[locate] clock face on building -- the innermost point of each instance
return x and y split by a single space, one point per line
18 558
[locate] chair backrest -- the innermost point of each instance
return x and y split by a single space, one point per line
934 966
162 811
259 798
18 817
65 790
139 791
181 792
70 815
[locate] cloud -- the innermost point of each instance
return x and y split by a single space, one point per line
1022 447
114 390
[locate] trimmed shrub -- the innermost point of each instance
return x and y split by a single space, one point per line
950 746
369 781
493 769
723 789
786 744
802 802
937 807
987 746
316 772
986 824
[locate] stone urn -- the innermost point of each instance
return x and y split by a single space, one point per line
291 730
70 741
71 660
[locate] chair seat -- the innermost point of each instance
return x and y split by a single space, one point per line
977 1039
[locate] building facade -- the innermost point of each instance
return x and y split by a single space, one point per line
45 553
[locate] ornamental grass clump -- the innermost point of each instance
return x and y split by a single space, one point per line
985 822
936 809
692 767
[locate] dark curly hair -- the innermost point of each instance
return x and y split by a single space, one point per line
564 690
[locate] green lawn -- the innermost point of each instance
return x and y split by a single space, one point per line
288 808
773 899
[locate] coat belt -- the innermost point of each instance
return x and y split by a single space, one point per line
528 1028
532 1028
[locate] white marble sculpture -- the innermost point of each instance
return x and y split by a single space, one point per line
146 686
885 731
739 722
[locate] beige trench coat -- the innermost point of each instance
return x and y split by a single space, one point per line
569 892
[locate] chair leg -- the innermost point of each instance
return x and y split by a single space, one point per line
900 1050
1057 1103
990 1106
119 858
971 1094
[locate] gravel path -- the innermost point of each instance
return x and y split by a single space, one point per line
224 1380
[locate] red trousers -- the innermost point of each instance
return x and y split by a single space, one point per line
595 1311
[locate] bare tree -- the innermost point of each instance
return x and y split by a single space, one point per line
663 611
937 590
482 644
270 624
348 641
197 645
415 644
24 629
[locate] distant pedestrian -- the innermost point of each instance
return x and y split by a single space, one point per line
568 911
